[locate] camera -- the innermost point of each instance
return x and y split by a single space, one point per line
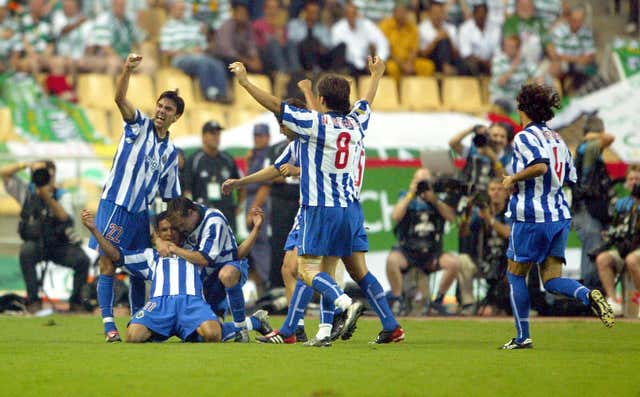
422 187
41 177
481 199
635 191
480 138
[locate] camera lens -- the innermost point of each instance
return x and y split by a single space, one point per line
41 177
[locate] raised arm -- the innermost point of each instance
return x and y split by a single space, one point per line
127 110
261 96
376 67
455 143
309 98
109 249
264 175
9 170
257 217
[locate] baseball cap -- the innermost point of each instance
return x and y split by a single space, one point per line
211 126
261 129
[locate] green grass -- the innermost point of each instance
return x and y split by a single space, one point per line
439 358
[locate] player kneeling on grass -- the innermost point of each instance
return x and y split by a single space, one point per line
176 306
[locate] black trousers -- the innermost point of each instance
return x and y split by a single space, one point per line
282 216
68 255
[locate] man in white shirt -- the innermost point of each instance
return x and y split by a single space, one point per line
438 39
478 41
361 37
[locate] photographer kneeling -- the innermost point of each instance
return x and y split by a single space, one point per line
45 226
420 218
489 229
622 240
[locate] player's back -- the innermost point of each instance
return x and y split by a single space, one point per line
213 238
541 199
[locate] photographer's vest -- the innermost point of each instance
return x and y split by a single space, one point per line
37 222
594 186
421 228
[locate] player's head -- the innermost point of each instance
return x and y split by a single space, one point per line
334 92
211 131
183 214
169 108
497 192
633 177
297 103
536 103
166 231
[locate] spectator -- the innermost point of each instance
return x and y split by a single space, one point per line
181 39
496 13
212 14
361 38
8 36
438 39
490 229
377 10
206 169
529 29
260 254
277 54
235 40
478 42
34 46
402 34
572 50
313 41
623 237
420 217
332 12
45 227
457 11
114 36
548 11
509 71
591 195
56 82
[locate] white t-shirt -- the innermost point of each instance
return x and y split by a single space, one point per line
428 33
358 40
473 41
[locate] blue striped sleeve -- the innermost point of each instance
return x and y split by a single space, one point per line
134 128
285 156
362 112
139 262
300 121
217 243
529 147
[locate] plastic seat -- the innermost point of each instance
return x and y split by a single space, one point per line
244 101
462 94
141 93
170 79
96 91
420 93
387 95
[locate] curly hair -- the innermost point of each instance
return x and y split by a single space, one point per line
537 102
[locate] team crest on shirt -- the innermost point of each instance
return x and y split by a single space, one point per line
140 314
153 163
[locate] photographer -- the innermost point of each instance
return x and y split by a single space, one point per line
591 195
420 216
487 156
45 226
490 228
622 240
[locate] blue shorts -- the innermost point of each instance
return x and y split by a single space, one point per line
535 242
292 238
129 231
332 231
215 293
178 315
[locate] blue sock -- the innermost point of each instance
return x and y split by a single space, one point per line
520 305
137 291
568 287
235 301
325 285
228 331
327 310
301 297
105 300
378 300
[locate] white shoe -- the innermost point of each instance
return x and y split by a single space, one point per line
615 306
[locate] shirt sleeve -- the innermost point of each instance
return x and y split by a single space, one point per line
169 185
217 243
140 263
301 121
362 112
66 201
132 129
464 41
16 188
530 149
287 156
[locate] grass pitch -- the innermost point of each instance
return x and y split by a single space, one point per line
439 358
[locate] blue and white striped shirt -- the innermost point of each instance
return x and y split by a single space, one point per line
541 199
330 147
142 166
213 238
169 276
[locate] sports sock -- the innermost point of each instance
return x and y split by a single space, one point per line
105 300
378 300
301 323
327 310
228 331
235 301
568 287
137 291
302 295
324 331
327 286
520 304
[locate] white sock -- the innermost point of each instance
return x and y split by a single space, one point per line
343 301
301 322
248 324
324 331
241 325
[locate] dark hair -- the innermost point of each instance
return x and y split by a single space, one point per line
179 207
296 102
537 102
161 217
335 90
49 164
176 98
